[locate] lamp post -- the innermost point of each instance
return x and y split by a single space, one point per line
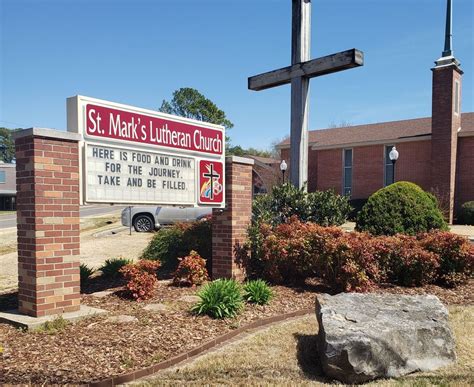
283 168
393 155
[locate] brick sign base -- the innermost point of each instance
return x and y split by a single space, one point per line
229 226
47 168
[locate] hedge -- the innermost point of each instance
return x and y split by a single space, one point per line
401 207
294 251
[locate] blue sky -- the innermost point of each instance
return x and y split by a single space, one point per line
138 52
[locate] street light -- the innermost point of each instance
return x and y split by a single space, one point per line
283 167
393 155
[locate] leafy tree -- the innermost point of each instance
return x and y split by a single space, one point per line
190 103
237 150
7 145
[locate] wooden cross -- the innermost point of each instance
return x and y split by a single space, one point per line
299 74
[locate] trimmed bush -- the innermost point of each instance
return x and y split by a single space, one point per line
467 213
294 251
141 278
257 292
169 244
111 267
85 272
220 299
191 271
403 208
410 264
456 256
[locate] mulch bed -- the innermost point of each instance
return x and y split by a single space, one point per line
94 349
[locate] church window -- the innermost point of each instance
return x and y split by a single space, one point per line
347 172
456 97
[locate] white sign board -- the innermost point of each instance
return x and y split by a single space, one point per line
137 156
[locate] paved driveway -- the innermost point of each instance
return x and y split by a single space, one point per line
9 220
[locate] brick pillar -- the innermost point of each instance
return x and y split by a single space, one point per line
229 227
446 120
47 170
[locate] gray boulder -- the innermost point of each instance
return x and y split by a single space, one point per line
367 336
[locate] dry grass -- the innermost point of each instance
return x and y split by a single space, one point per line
285 355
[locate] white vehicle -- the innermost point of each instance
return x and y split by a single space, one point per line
149 218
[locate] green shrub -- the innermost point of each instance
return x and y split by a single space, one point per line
111 267
85 272
328 208
169 244
403 208
467 213
220 299
285 201
257 292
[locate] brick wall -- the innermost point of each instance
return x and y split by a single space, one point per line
414 163
229 227
367 170
329 170
465 171
48 224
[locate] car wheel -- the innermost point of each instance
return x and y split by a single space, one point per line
143 223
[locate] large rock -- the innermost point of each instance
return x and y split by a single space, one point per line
368 336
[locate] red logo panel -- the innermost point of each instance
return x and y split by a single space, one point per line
211 182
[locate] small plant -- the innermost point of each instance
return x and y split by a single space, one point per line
85 272
111 267
141 277
191 271
257 292
53 326
220 299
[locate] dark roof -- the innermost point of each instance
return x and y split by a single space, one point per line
381 131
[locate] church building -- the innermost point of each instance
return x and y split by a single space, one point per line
436 152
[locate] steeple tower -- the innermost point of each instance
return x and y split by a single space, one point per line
446 120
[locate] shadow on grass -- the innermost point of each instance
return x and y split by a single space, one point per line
307 356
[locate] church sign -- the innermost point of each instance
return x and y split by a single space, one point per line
137 156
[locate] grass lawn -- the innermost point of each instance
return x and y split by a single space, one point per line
285 355
7 212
